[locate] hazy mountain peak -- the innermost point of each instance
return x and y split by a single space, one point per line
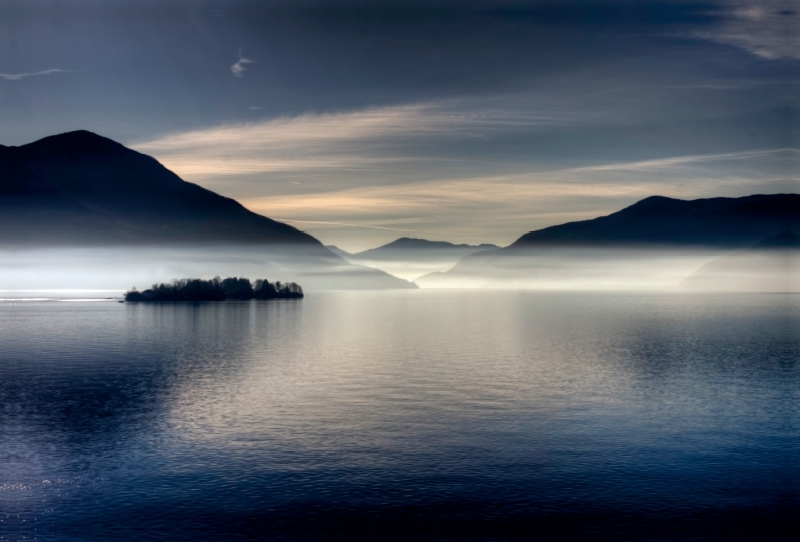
412 243
410 258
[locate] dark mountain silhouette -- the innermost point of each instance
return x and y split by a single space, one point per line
772 265
623 243
720 222
82 190
79 188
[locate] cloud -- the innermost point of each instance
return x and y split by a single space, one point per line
18 76
500 208
665 163
767 28
304 143
389 145
339 224
239 68
347 141
423 167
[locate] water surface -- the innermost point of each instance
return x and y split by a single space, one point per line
417 415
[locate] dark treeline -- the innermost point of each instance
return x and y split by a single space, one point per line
216 289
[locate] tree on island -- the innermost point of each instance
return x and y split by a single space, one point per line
265 290
216 289
237 288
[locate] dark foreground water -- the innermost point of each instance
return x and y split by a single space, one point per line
402 416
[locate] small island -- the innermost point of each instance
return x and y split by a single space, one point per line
217 289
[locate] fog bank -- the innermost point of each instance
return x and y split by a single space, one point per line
124 268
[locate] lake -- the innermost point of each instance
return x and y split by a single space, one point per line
411 415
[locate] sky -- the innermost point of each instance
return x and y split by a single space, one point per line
470 121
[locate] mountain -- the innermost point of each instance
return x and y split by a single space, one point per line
410 245
720 222
653 243
409 258
339 252
83 191
772 265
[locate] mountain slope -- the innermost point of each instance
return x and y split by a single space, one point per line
722 222
771 265
653 243
82 191
339 252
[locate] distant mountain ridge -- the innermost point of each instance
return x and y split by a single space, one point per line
615 246
410 258
339 252
657 220
412 244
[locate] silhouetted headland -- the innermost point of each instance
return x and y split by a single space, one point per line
660 221
217 289
651 238
79 189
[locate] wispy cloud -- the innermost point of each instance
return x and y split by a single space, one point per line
339 224
389 144
18 76
410 168
304 143
663 163
239 67
312 143
499 208
767 28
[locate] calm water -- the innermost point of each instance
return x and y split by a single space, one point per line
404 415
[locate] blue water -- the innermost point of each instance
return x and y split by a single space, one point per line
417 415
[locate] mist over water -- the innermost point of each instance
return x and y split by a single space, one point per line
572 269
403 415
120 268
616 269
410 268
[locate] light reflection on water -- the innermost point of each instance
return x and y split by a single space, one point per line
402 415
